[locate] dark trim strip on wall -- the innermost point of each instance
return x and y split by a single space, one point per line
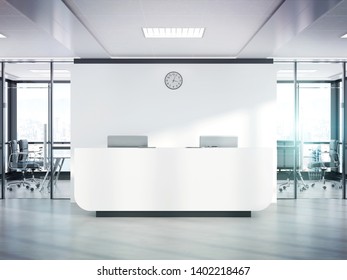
42 81
173 61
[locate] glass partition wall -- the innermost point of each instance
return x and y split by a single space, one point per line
2 132
36 118
310 129
310 111
286 174
61 130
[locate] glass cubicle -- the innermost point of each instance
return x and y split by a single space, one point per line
309 118
38 112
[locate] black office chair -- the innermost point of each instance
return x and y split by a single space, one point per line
334 162
17 162
285 163
32 162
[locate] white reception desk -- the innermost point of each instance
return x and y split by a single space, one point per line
173 179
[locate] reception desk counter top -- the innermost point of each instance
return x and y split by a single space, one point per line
173 179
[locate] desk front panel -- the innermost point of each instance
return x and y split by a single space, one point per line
173 179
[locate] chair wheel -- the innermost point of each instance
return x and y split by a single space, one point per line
284 187
324 187
10 189
27 187
37 185
312 185
333 185
18 185
31 189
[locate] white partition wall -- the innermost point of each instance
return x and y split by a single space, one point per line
132 99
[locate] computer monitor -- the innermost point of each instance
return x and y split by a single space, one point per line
127 141
218 141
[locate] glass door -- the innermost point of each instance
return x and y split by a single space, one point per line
319 161
37 118
61 131
286 175
310 131
28 124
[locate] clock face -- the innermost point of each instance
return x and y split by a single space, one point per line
173 80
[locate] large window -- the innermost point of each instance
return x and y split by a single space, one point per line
32 111
61 129
285 111
61 112
285 138
314 122
315 111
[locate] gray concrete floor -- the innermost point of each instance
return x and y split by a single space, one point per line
313 189
61 190
58 229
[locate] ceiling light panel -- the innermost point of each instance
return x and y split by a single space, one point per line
173 32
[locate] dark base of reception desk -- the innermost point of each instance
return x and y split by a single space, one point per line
188 214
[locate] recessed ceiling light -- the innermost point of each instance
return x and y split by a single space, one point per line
2 36
344 36
174 32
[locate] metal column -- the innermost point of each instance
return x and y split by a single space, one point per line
296 128
50 128
2 127
344 130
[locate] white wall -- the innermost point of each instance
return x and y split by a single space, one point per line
132 99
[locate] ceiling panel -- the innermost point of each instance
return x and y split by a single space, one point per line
7 10
54 31
229 25
321 39
24 38
105 7
234 28
290 20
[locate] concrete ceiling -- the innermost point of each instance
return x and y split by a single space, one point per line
66 29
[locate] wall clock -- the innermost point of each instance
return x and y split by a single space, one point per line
173 80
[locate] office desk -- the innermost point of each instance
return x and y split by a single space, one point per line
58 162
173 179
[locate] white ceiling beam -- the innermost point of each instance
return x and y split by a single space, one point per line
55 18
292 17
